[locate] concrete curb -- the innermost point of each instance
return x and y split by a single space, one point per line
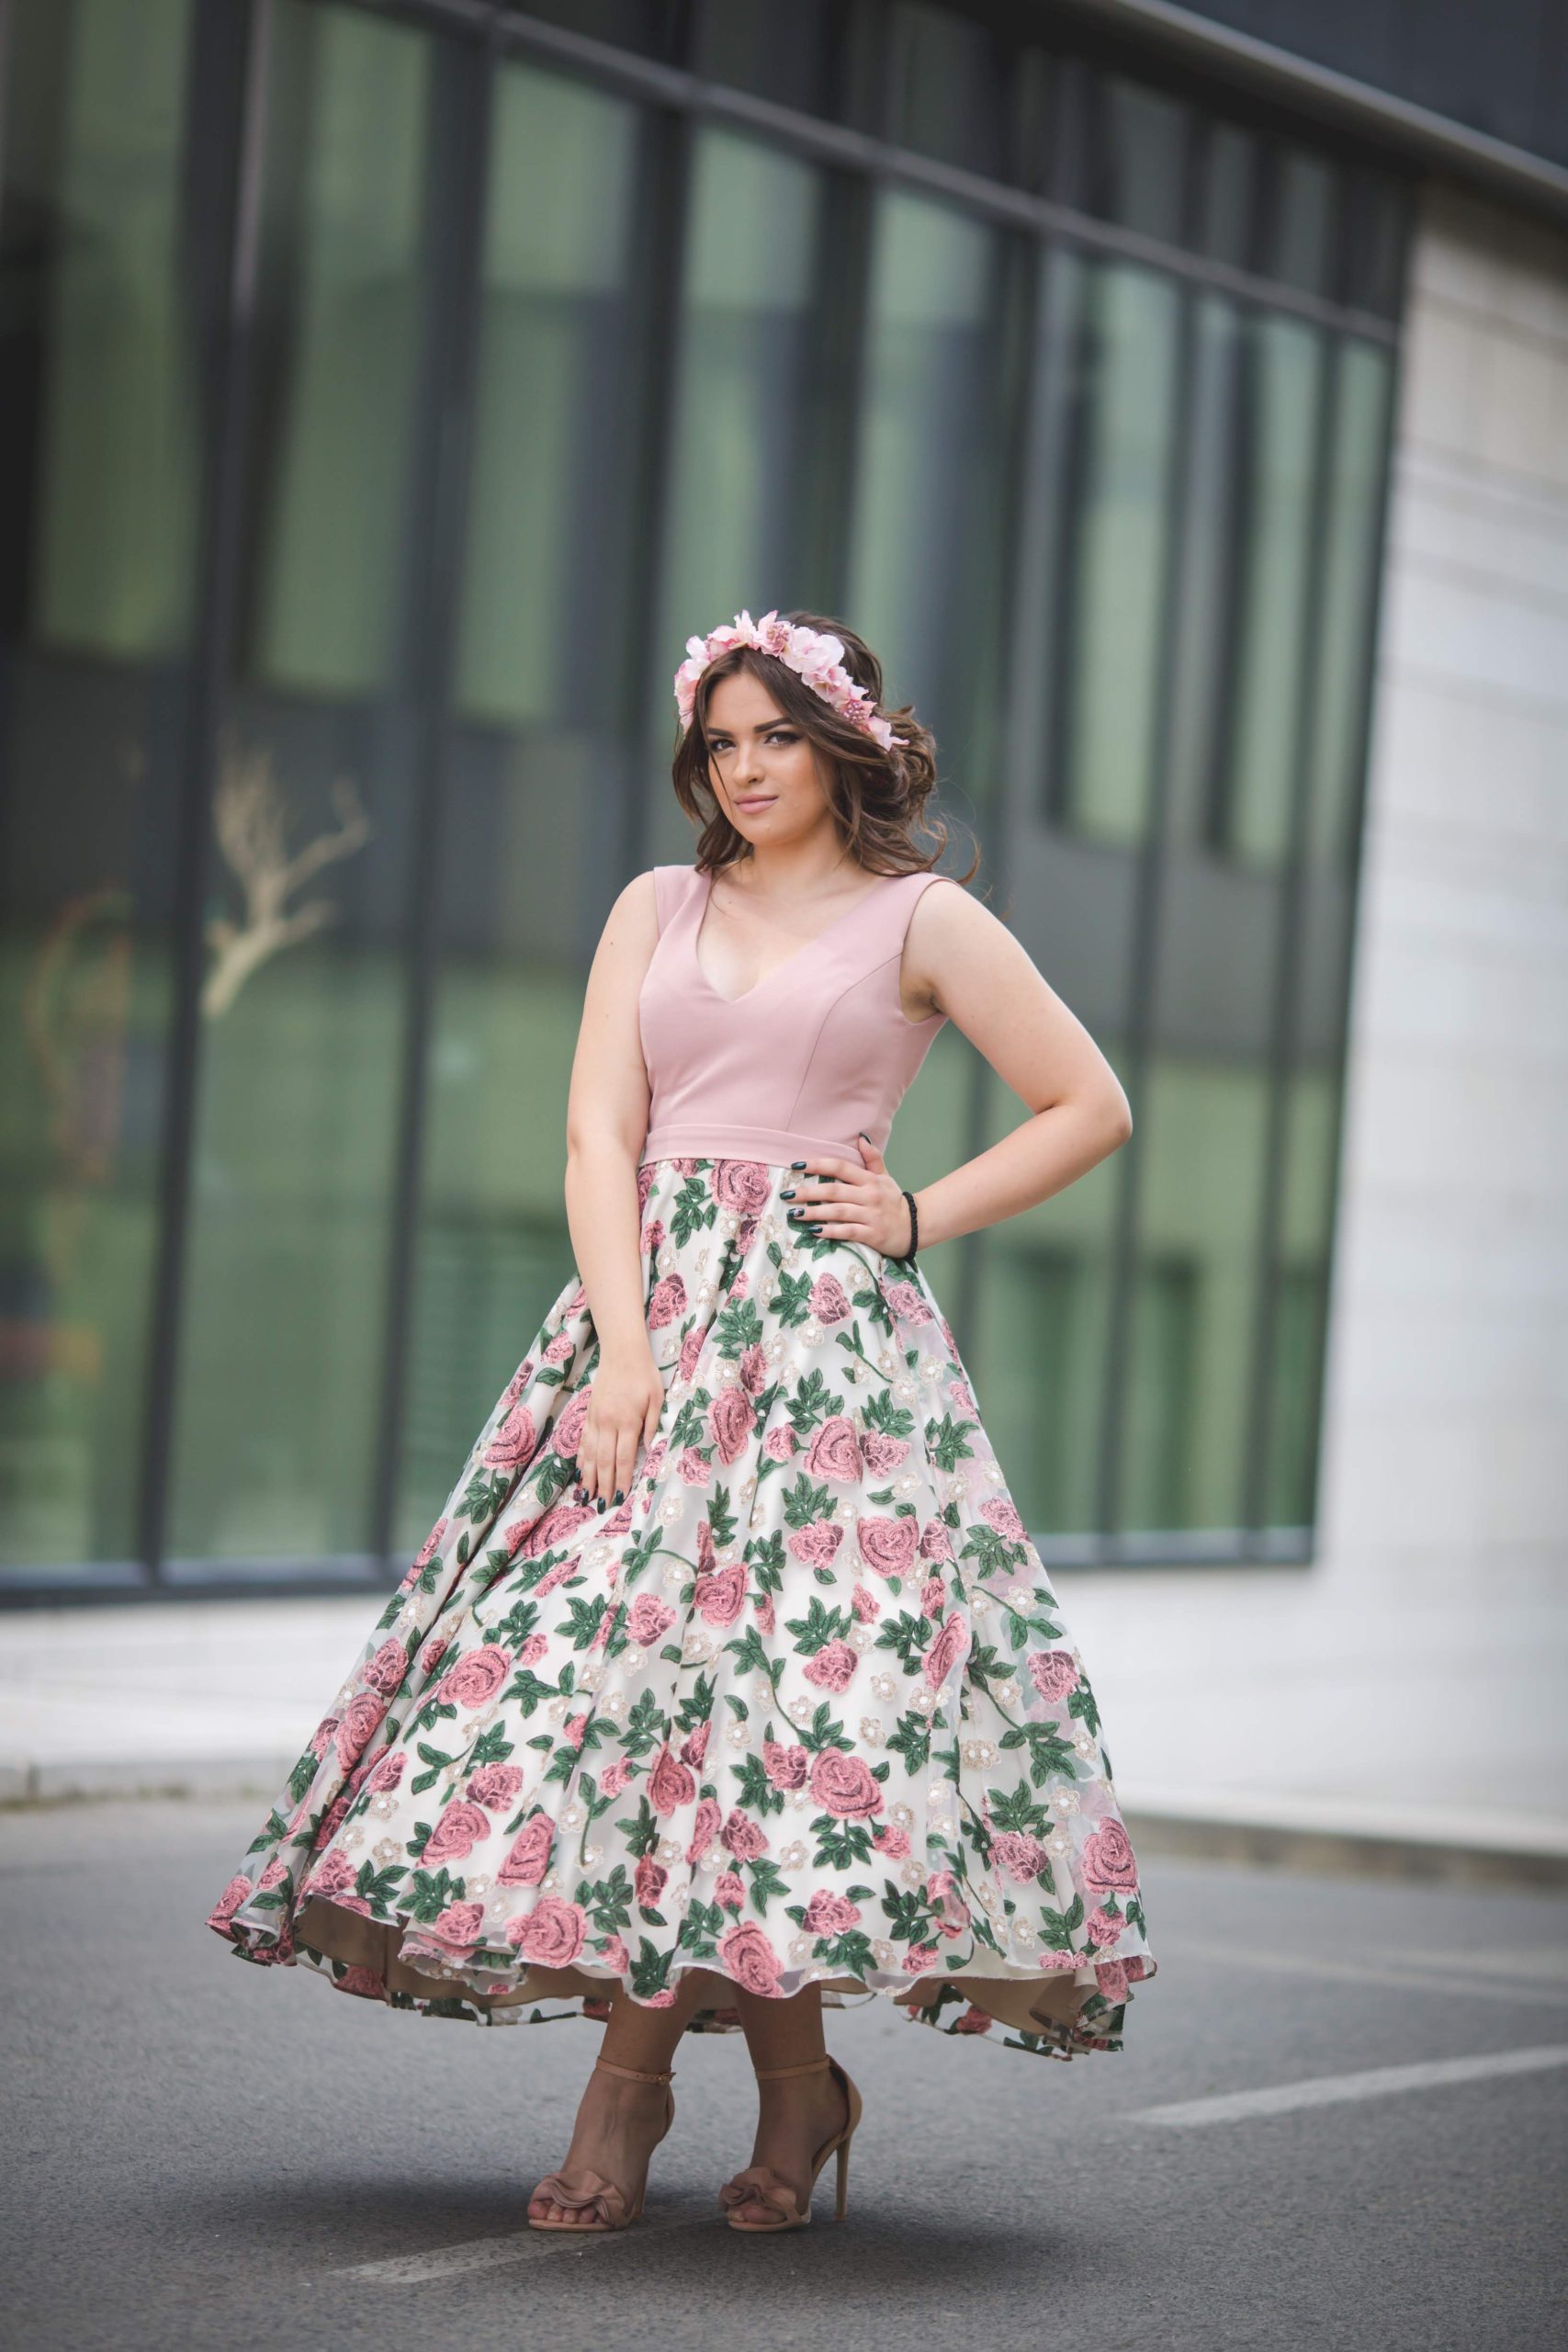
1294 1835
1358 1852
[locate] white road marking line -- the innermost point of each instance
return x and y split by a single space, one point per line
524 2246
1420 1977
1375 2082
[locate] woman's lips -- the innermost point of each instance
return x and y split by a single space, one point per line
761 800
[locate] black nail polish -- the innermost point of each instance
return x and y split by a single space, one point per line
600 1504
814 1228
787 1193
620 1495
797 1163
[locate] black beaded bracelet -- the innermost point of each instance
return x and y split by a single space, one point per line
914 1231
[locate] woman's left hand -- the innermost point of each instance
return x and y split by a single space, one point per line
853 1202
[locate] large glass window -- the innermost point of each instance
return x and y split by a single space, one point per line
537 786
99 484
385 402
1116 522
302 1003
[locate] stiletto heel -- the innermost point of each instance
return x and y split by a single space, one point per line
759 2184
614 2210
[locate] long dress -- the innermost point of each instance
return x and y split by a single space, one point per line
802 1709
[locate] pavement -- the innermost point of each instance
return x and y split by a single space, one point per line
1338 2120
1245 1719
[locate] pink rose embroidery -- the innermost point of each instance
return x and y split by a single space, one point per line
834 1451
513 1443
750 1957
228 1902
360 1719
1104 1926
1108 1859
496 1785
431 1544
334 1875
666 1300
829 1300
568 1429
720 1598
460 1924
669 1784
786 1766
833 1667
1020 1855
729 1890
648 1617
387 1669
828 1914
743 1836
1053 1675
730 1420
704 1830
887 1545
528 1857
936 1544
814 1545
457 1832
551 1935
475 1679
743 1185
844 1785
883 1453
946 1651
648 1881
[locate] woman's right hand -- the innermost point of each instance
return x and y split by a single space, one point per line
625 1401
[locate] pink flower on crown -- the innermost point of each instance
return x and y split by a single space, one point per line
816 656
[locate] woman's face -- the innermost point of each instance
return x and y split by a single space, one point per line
764 770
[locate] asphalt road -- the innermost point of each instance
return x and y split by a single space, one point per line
198 2153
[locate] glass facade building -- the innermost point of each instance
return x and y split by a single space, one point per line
388 393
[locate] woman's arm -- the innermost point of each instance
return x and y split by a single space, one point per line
971 967
606 1127
960 960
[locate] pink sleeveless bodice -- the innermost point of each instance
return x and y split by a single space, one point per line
817 1048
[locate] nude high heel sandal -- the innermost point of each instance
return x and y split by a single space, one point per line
761 2184
594 2189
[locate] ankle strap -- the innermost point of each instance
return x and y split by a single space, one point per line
636 2073
777 2074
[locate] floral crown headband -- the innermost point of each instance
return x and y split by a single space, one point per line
811 653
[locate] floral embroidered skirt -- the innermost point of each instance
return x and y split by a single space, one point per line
801 1710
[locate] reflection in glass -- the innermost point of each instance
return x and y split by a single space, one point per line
537 644
1203 1132
1352 497
926 570
1115 542
1282 382
535 779
98 473
1137 162
299 1095
740 492
1041 1333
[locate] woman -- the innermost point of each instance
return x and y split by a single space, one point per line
729 1680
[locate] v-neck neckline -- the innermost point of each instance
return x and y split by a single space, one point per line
747 994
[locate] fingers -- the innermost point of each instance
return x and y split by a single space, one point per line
604 1462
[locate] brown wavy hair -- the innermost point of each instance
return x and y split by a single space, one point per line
879 797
